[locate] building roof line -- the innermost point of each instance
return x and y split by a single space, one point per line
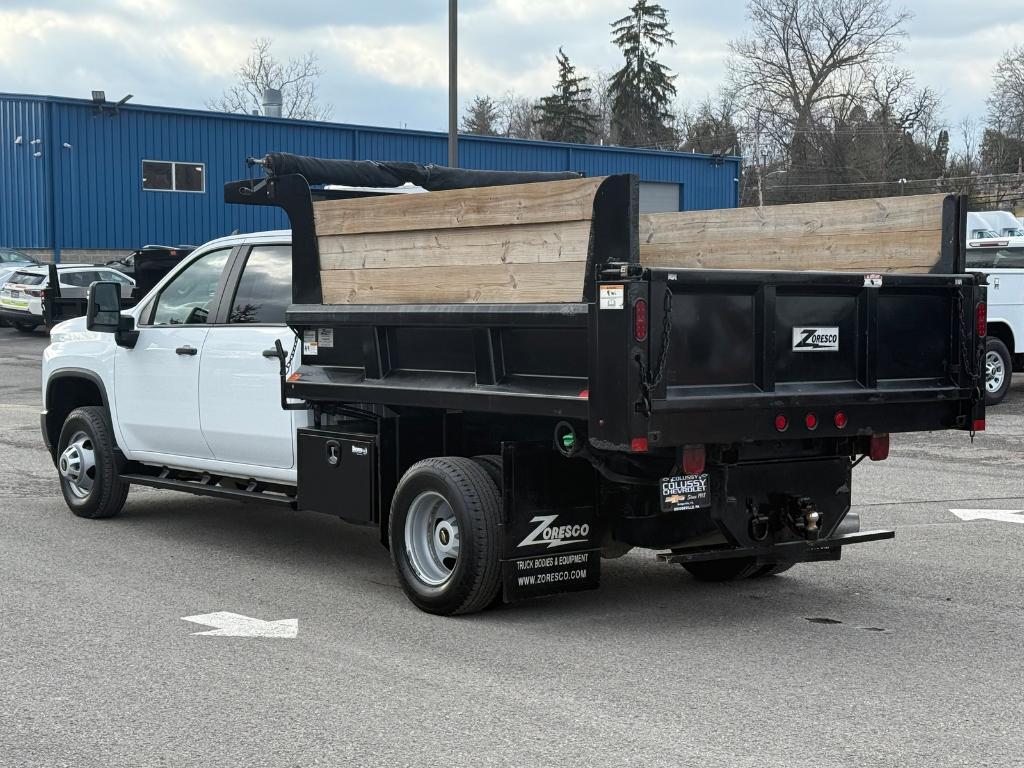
463 137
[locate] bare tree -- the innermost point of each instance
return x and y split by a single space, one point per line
806 61
517 116
1006 104
296 78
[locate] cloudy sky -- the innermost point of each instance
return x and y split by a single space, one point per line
385 61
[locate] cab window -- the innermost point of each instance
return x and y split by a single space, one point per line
188 298
265 288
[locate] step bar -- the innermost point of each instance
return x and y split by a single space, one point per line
209 486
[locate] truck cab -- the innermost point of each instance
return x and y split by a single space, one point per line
196 388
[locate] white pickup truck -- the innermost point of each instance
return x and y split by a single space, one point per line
198 392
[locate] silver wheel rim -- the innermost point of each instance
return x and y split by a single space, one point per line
77 465
432 538
995 372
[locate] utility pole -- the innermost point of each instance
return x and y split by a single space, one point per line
453 83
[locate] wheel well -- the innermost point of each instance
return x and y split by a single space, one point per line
63 395
1002 332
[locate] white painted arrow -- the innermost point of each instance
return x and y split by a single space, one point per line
1002 515
235 625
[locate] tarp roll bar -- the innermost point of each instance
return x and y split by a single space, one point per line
369 173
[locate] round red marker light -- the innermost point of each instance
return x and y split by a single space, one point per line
811 421
840 420
781 423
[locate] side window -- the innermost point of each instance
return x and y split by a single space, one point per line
186 299
265 288
78 279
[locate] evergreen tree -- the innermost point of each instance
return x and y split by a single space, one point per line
481 118
568 113
642 91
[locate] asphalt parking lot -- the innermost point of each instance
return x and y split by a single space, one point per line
920 663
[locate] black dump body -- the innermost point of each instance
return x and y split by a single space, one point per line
718 362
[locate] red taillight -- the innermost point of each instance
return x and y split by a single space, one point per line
879 448
693 459
638 445
839 420
811 421
781 423
34 293
640 320
981 316
979 425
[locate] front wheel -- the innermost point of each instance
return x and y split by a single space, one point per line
445 538
998 370
87 465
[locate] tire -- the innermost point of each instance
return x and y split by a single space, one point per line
87 465
493 466
25 326
998 370
771 570
437 502
723 570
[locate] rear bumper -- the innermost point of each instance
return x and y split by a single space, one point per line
20 316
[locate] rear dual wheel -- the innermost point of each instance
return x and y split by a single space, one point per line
444 533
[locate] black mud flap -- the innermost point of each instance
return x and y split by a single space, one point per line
551 531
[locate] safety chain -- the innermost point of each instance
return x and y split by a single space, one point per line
291 355
651 377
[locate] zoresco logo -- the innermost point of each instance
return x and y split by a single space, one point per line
817 339
555 535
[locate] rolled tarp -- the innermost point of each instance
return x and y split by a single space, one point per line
370 173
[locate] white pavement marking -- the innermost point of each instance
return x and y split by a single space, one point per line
1002 515
235 625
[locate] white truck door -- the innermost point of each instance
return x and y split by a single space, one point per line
156 384
239 382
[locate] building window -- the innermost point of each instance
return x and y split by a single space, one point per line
161 176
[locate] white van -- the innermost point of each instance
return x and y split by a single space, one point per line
1003 262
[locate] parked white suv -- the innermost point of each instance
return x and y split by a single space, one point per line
194 385
21 298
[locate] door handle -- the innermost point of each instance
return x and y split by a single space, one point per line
186 350
270 353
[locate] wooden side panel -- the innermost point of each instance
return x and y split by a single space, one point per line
488 283
527 243
551 201
896 234
519 243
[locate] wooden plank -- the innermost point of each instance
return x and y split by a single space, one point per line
914 213
897 234
868 252
522 244
499 283
570 200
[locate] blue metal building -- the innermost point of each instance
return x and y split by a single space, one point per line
78 178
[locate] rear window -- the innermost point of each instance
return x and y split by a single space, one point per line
27 278
995 258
